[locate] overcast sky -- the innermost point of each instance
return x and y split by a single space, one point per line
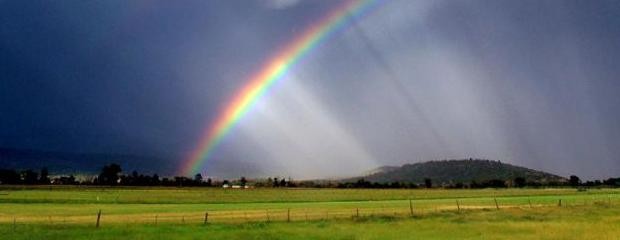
532 83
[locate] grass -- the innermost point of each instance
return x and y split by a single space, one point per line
178 213
579 222
160 195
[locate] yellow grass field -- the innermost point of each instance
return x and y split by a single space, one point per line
66 211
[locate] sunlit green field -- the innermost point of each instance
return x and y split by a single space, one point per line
148 213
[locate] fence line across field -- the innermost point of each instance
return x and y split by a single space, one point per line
287 214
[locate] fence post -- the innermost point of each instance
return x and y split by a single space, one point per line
288 214
496 205
98 218
357 212
183 219
206 218
156 219
559 202
410 207
530 202
458 206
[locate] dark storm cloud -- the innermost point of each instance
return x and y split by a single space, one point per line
124 76
528 82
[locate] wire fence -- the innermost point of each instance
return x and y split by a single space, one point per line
285 213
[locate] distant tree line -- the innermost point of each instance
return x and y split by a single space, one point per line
8 176
518 182
112 175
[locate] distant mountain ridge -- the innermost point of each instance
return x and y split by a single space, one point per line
78 163
455 171
446 171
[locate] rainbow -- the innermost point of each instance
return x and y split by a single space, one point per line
274 69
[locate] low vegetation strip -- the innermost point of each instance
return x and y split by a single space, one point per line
189 195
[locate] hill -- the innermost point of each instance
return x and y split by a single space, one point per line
455 171
381 169
78 163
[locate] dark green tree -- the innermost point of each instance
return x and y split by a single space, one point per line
276 183
574 181
9 176
519 182
243 181
428 183
44 178
198 178
109 174
30 177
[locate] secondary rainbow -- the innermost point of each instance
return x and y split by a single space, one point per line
274 70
